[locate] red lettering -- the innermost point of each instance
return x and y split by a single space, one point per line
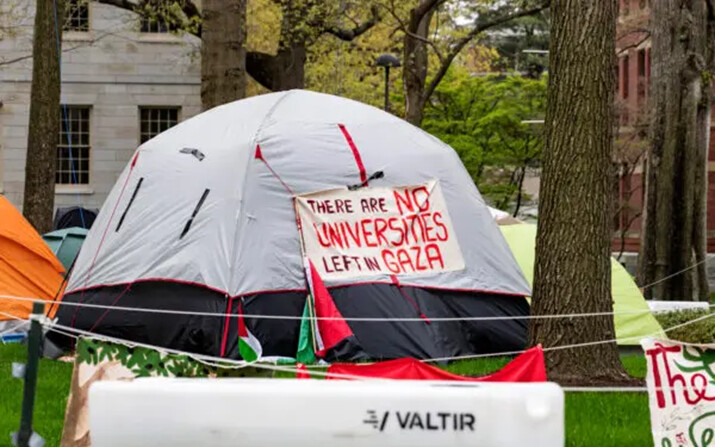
323 243
334 234
403 257
433 255
389 259
354 233
365 205
393 223
366 233
424 205
311 202
418 257
405 200
380 227
357 262
437 217
371 264
325 264
415 218
698 385
426 218
373 205
335 260
406 230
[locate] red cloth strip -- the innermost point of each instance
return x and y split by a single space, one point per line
225 326
527 367
356 153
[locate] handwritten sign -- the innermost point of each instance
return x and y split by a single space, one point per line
373 231
681 387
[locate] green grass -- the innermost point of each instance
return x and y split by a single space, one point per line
53 384
592 419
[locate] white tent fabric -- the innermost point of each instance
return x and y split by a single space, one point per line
244 238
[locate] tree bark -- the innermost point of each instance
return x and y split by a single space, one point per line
673 236
284 70
39 194
223 52
573 264
415 57
414 71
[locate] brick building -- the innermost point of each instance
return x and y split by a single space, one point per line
124 80
634 57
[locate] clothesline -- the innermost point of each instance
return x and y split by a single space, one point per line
360 319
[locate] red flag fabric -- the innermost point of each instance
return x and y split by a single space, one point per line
527 367
301 372
331 331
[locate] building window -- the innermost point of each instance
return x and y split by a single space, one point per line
626 81
77 15
73 148
155 120
641 63
152 25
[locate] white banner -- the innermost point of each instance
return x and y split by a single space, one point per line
374 231
681 388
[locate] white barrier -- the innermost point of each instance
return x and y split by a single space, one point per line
660 306
313 413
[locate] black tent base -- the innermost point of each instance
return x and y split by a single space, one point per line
376 337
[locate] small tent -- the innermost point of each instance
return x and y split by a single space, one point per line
74 216
66 243
28 268
291 203
634 321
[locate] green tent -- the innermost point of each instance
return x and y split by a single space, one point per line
626 295
65 244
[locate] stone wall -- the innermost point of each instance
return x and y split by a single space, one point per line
113 69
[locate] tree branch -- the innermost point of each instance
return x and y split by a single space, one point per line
424 8
636 44
478 28
350 34
187 6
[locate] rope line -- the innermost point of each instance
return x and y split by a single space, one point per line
202 358
665 278
362 319
573 345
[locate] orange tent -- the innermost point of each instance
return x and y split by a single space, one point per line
28 268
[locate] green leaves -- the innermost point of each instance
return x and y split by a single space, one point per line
481 117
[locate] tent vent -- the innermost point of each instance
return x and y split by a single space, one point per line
193 215
377 175
195 152
134 195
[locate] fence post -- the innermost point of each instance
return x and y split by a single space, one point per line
34 343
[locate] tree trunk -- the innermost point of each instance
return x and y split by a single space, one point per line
674 230
39 196
283 71
573 265
223 52
414 72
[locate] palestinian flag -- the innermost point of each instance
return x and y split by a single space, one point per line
248 345
332 337
306 351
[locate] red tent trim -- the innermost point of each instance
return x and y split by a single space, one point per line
527 367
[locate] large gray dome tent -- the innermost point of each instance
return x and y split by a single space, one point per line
203 218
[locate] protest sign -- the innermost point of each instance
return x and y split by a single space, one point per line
375 231
681 387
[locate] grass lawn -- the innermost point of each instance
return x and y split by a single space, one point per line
592 419
53 384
